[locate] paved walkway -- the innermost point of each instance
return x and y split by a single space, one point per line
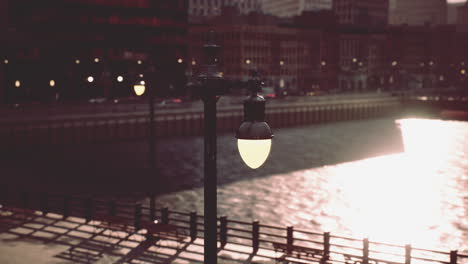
30 237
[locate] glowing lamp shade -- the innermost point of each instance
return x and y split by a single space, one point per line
254 152
254 142
139 88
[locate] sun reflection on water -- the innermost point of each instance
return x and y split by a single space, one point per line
406 198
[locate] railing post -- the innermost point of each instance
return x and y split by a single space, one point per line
89 209
453 256
326 247
193 226
137 222
66 207
165 215
223 230
408 254
44 204
255 235
365 251
152 208
290 239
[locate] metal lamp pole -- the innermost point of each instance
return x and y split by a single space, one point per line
254 130
212 85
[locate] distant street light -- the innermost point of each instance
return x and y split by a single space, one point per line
463 71
17 83
5 61
139 62
77 61
354 60
120 79
248 61
140 85
180 60
96 60
90 79
281 63
394 63
324 63
52 83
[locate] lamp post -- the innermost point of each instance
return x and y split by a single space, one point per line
253 130
140 87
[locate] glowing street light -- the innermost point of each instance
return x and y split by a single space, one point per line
6 61
394 63
180 60
90 79
139 62
139 87
96 60
354 60
194 62
17 83
254 134
77 61
323 63
52 83
120 79
463 71
281 63
248 61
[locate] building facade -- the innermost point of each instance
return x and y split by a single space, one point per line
209 8
288 58
419 12
462 18
290 8
77 49
367 13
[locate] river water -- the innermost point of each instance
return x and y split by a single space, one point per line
398 181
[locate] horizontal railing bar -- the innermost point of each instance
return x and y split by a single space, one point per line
385 244
430 250
272 235
307 232
239 222
387 253
310 241
346 246
239 230
272 227
347 238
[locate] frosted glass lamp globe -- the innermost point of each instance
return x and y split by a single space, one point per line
254 152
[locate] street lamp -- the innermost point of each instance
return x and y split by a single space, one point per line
252 134
140 86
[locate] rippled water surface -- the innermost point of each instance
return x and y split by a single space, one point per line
399 181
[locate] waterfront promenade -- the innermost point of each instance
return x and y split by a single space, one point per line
68 229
